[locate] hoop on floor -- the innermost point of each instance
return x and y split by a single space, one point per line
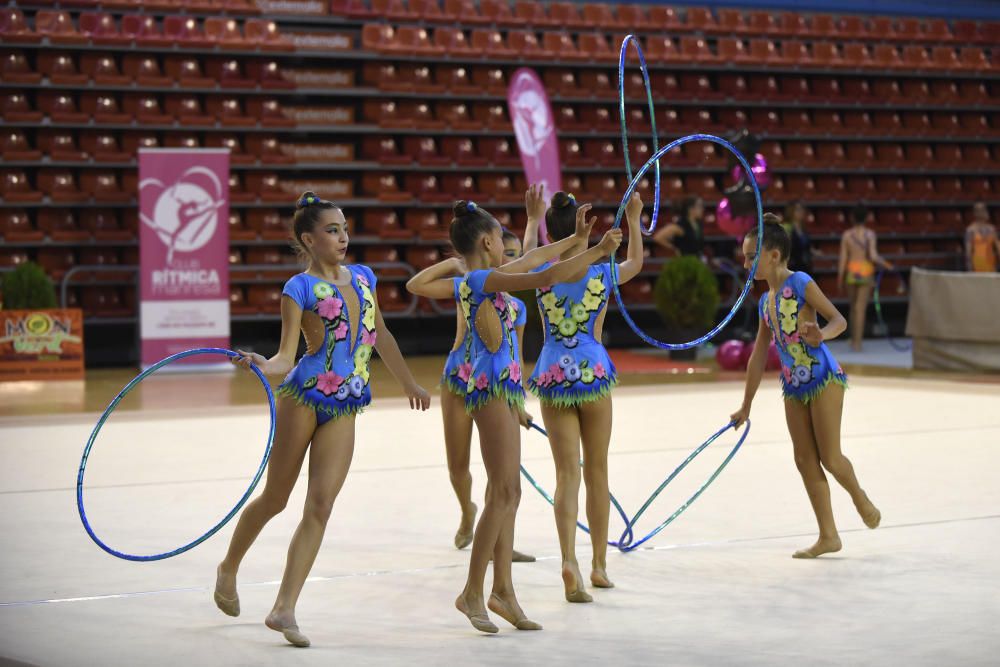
626 544
107 413
896 345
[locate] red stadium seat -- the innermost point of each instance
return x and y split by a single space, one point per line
500 187
860 154
144 70
144 31
732 22
793 24
103 146
14 147
103 69
228 73
532 14
186 32
416 40
601 15
857 55
916 57
14 68
60 145
60 107
16 227
696 49
265 35
101 29
14 28
701 19
463 11
850 27
500 151
662 48
566 15
560 45
461 151
498 12
664 18
394 10
58 27
186 70
104 186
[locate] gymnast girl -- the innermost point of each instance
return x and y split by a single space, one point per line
335 307
457 422
856 269
494 394
573 380
812 381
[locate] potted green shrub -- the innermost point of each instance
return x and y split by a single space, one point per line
686 297
28 288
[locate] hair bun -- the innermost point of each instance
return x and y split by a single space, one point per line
562 200
307 199
463 207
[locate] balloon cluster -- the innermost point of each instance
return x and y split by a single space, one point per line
736 212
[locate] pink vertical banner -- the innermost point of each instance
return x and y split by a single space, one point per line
535 129
183 252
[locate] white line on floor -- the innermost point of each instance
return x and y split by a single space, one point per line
379 573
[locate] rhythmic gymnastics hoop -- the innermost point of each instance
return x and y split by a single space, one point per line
625 543
896 345
655 160
652 120
107 413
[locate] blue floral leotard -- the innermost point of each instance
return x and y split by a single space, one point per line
573 366
332 377
805 370
488 374
451 377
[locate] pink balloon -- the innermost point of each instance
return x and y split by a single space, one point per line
734 225
761 172
729 354
759 169
773 358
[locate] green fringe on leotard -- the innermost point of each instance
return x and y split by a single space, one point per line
299 396
486 395
813 393
575 398
453 385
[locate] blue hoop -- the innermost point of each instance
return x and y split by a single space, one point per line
625 542
753 269
107 413
655 159
652 120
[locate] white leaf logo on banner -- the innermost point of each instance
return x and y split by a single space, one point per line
186 213
531 118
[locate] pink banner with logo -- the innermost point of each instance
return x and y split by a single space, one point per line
183 252
535 129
